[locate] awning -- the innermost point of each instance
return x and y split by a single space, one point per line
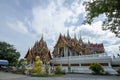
4 62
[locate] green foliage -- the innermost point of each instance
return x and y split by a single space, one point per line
20 62
19 71
47 69
109 8
118 71
8 52
58 70
96 68
40 75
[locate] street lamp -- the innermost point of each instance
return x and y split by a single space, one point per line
69 68
119 48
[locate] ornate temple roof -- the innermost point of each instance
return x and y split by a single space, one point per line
77 45
39 49
72 43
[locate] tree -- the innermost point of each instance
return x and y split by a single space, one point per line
110 8
21 62
96 68
118 71
8 52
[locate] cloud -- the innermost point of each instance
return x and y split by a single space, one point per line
51 21
18 26
51 18
95 34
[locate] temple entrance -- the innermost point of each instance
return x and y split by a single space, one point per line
61 52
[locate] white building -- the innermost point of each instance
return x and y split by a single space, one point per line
76 56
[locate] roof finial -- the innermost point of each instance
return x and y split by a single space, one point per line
68 33
88 41
41 37
80 38
75 36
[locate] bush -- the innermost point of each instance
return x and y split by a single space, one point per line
19 71
58 70
96 68
118 71
40 75
47 69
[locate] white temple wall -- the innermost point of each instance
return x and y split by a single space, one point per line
81 63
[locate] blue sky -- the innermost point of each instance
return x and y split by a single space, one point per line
22 22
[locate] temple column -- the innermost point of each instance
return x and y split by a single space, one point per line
66 52
109 64
58 52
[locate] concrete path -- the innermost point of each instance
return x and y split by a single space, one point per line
10 76
6 75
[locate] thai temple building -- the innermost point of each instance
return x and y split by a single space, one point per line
76 56
73 55
71 46
39 49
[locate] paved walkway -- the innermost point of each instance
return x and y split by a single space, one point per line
9 76
6 75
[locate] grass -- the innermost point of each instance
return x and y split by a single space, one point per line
46 75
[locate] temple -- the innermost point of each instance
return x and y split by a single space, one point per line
39 49
71 46
72 55
76 55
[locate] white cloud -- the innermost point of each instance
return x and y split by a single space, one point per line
77 9
95 34
18 26
50 21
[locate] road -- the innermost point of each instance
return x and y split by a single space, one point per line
10 76
6 75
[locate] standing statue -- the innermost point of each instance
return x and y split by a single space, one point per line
38 65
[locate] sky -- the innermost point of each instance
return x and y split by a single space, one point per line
22 23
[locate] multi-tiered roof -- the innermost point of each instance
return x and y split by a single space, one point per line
39 49
77 46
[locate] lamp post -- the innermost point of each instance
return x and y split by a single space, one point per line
119 48
119 52
69 69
